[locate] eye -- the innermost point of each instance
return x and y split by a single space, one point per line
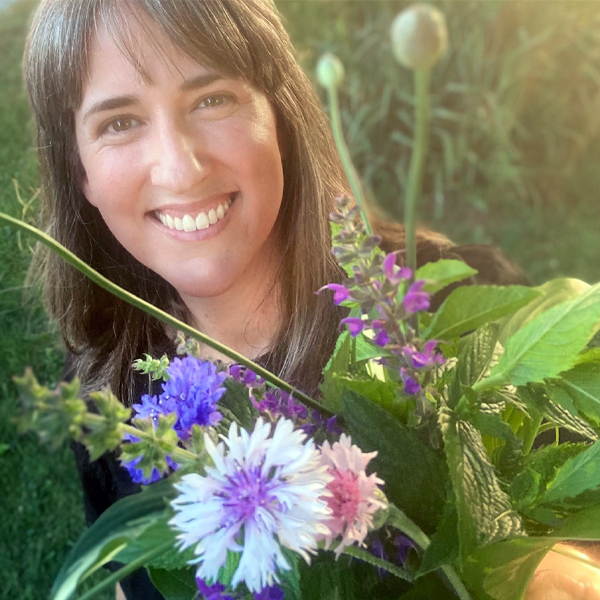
118 125
214 101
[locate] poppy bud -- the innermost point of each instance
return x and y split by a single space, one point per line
419 36
330 70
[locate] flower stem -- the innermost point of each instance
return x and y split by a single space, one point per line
417 164
108 285
342 148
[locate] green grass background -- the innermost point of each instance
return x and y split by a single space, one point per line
514 162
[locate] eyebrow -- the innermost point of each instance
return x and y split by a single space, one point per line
188 85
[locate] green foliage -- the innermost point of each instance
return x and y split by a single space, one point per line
155 367
122 522
174 584
515 131
531 354
467 308
442 273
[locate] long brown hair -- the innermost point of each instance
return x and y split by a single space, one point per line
240 38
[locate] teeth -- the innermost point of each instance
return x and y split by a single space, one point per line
202 221
189 223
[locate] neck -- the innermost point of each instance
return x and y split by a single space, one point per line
247 318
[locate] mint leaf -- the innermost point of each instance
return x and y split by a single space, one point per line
551 293
468 308
575 476
179 584
583 385
442 273
485 513
532 355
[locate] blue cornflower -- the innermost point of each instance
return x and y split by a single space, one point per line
194 387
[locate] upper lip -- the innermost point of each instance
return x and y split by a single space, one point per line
195 207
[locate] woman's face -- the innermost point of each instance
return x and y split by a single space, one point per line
185 167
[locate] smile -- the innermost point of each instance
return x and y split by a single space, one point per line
198 222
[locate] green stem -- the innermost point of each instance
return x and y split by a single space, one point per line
417 164
127 569
342 148
367 557
108 285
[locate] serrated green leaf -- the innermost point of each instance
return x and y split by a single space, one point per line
129 518
442 273
551 293
575 476
410 469
537 397
502 571
582 383
236 405
177 584
468 308
485 513
551 342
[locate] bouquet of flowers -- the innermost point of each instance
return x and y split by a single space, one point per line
415 474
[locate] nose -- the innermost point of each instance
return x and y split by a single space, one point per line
178 162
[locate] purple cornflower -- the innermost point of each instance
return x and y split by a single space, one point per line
393 273
272 592
194 387
403 544
212 592
416 299
355 325
428 358
340 293
411 385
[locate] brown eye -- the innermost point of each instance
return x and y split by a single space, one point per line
213 101
121 124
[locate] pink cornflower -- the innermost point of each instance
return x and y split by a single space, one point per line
352 501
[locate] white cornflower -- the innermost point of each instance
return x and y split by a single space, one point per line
263 493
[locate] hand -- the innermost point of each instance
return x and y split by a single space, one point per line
560 577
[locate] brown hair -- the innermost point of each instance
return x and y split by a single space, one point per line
241 38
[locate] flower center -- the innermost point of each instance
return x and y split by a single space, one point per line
345 495
245 492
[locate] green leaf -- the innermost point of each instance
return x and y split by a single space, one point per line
382 393
532 354
442 273
537 397
444 547
327 579
236 405
582 383
331 388
485 513
177 584
575 476
410 469
502 571
551 293
127 519
468 308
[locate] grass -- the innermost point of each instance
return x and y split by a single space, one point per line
549 230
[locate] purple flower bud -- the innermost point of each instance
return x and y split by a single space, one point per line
212 592
428 358
411 385
381 338
355 325
403 544
340 293
416 300
235 371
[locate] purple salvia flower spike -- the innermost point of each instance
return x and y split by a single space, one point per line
416 300
355 325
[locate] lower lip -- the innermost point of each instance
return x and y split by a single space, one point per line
200 234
